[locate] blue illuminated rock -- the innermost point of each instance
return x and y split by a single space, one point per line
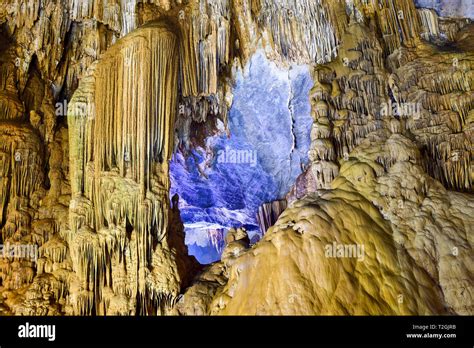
224 184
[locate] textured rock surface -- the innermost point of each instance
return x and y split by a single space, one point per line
97 96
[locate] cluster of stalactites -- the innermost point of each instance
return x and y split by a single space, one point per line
21 166
398 21
10 106
216 236
21 178
358 91
300 31
39 28
445 102
199 109
113 278
429 23
112 130
129 135
435 28
205 47
452 160
26 12
118 14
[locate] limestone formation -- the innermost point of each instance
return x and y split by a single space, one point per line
97 97
269 213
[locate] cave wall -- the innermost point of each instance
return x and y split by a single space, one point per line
213 181
84 158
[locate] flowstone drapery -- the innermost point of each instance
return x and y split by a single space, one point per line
121 126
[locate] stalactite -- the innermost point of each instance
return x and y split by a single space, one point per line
429 22
447 81
347 100
27 12
452 159
21 173
450 27
200 109
438 29
300 31
122 145
10 106
268 214
399 22
205 47
21 163
118 14
443 87
216 236
119 248
322 153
